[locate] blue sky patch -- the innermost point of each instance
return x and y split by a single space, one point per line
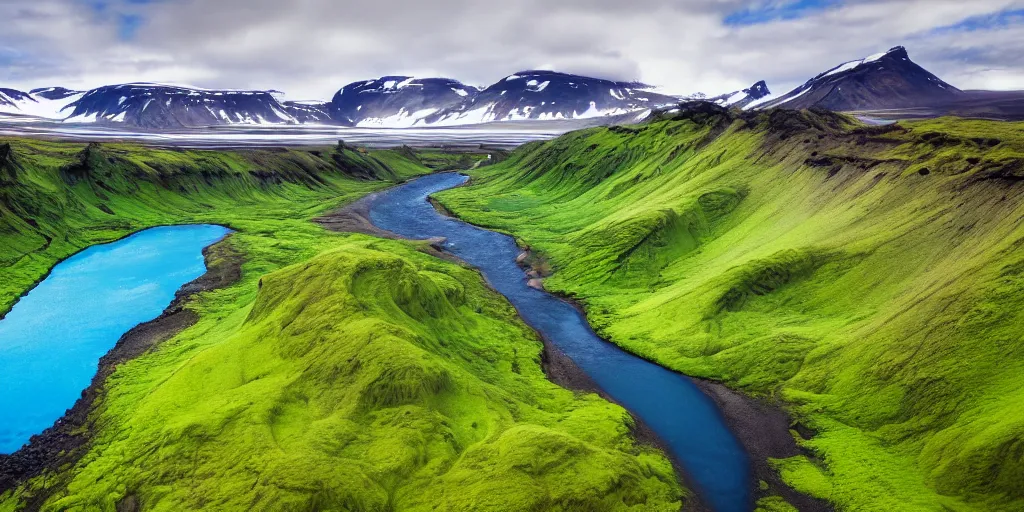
1001 19
128 26
124 13
6 57
775 10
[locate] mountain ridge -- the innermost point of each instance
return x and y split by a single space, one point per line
880 81
543 95
391 101
884 82
396 100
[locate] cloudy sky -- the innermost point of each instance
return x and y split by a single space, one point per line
310 48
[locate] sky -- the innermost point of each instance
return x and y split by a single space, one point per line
311 48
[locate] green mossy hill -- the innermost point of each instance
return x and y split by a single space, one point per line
340 373
58 198
370 377
870 277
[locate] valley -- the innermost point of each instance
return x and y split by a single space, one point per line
686 423
332 371
780 253
524 256
867 279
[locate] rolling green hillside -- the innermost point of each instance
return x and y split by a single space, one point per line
341 372
56 198
871 278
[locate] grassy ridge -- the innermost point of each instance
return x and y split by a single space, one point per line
873 278
56 199
370 377
341 373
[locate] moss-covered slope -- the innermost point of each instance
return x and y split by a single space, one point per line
56 198
340 373
871 277
370 377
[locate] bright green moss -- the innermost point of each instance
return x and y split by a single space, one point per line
774 504
800 256
370 377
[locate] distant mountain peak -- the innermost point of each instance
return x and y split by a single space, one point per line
741 98
758 90
895 55
389 101
898 52
881 81
395 101
53 93
163 106
551 95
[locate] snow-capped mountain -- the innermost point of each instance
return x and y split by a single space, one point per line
47 103
396 101
11 97
542 95
54 93
390 101
157 106
742 98
309 112
882 81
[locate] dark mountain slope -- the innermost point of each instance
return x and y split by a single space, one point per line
53 93
551 95
11 97
743 97
396 100
882 81
156 106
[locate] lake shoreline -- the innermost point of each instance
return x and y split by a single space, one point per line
3 314
68 439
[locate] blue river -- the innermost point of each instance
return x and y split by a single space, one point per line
52 339
685 419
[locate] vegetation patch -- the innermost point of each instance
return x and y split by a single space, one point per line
341 372
876 299
762 277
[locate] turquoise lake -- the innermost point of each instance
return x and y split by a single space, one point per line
52 339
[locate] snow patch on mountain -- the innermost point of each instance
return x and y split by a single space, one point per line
51 103
549 95
395 101
385 102
741 98
402 119
847 66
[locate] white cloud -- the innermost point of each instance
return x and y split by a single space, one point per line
310 48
